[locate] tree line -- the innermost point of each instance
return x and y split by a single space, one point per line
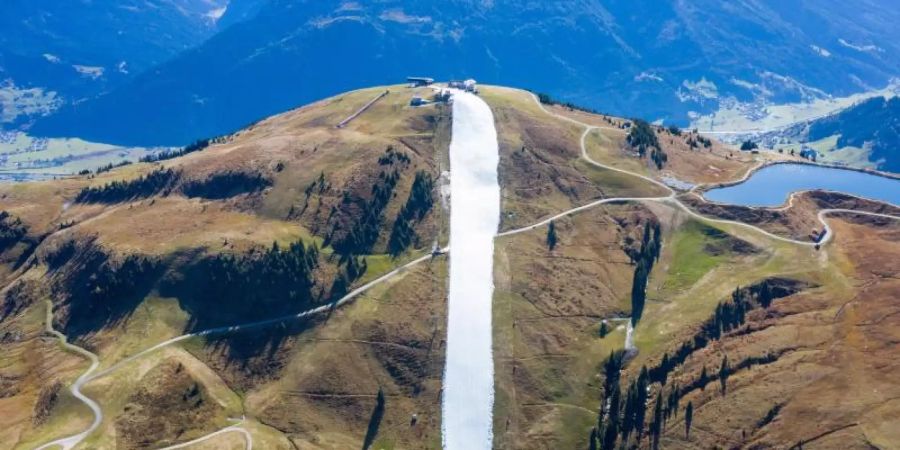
155 182
100 288
225 184
643 137
360 236
549 100
12 230
622 417
195 146
261 284
418 204
646 257
728 315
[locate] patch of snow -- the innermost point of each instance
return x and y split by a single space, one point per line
757 89
215 14
15 101
697 91
820 51
871 48
92 72
397 15
808 93
349 6
468 392
648 76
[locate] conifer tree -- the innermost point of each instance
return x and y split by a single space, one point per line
723 374
704 378
656 426
551 236
688 418
374 420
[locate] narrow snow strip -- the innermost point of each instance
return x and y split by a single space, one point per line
468 396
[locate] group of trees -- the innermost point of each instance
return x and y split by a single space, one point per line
548 100
698 140
727 316
195 146
12 230
651 245
391 156
105 168
644 139
160 180
749 145
229 288
623 415
365 225
225 184
360 235
100 288
354 267
419 203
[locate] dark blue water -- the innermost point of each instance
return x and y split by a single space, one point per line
772 185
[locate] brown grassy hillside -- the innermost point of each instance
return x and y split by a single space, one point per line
291 213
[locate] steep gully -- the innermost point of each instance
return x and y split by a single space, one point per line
71 441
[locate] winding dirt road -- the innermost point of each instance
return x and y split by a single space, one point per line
69 442
248 438
672 199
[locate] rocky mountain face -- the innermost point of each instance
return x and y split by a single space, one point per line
70 51
660 60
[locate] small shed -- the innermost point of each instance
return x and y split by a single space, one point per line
419 81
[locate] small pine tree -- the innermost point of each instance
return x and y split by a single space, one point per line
723 374
551 236
374 420
688 418
704 378
656 426
604 329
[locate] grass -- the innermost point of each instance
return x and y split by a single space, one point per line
607 147
618 184
690 256
671 314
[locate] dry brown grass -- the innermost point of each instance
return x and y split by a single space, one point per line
834 382
547 312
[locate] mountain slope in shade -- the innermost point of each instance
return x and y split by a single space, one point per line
80 48
660 60
873 124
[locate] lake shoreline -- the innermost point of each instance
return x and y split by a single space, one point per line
829 181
